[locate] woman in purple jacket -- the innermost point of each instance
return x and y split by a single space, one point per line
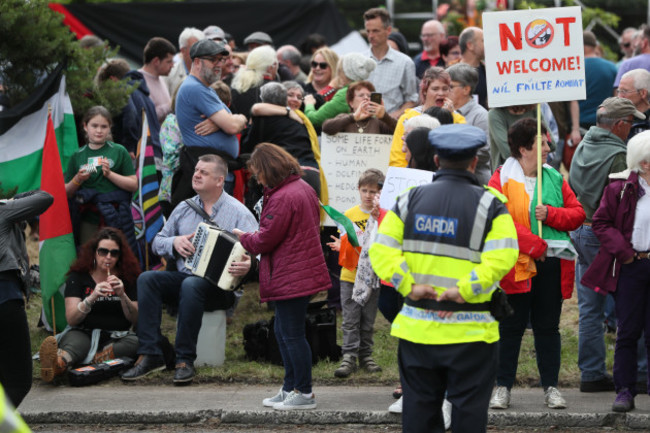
622 266
292 266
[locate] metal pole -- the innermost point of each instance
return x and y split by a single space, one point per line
434 5
390 5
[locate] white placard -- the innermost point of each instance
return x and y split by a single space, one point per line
534 56
400 178
344 157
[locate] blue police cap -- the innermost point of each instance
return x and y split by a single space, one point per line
457 141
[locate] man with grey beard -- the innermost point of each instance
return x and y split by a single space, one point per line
205 122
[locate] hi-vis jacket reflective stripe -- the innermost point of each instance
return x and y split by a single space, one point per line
448 233
10 420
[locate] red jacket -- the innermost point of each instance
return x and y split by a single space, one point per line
566 218
292 263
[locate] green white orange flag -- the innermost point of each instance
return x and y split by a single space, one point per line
56 246
22 134
350 249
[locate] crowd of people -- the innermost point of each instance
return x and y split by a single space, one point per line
460 266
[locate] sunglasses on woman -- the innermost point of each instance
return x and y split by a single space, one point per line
103 252
322 65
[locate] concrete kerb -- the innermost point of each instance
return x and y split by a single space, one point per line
316 417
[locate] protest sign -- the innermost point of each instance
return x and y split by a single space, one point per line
534 56
398 179
344 157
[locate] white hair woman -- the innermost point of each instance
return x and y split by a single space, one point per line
261 68
622 266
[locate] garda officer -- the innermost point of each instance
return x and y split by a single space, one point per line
10 420
444 246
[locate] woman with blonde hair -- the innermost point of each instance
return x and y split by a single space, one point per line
261 68
322 73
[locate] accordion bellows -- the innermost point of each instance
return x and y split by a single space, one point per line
214 251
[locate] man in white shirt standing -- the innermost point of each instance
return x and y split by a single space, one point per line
394 76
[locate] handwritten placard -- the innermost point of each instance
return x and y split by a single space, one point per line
534 56
344 157
398 179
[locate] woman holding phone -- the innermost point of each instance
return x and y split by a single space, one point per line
366 116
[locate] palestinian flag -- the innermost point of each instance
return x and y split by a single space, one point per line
350 249
23 129
56 246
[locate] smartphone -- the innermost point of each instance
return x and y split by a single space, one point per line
375 97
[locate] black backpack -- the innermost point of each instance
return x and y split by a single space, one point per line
320 329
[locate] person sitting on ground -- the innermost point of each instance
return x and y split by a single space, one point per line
101 307
365 116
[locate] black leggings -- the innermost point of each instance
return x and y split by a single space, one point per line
16 362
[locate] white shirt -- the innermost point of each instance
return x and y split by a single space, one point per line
641 231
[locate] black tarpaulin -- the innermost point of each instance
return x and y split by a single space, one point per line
131 25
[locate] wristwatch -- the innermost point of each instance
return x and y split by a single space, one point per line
288 110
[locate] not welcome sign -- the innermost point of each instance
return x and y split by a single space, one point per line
534 56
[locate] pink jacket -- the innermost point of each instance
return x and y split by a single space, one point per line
292 263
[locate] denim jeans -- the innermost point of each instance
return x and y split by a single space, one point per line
289 327
542 305
591 307
189 292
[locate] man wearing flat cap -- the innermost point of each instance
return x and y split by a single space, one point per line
444 246
205 122
601 152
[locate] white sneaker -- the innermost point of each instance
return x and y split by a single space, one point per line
446 413
396 407
500 398
278 398
554 399
295 401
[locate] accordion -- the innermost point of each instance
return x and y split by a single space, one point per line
214 251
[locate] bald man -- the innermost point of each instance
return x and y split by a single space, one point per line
432 34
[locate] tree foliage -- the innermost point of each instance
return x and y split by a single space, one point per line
34 40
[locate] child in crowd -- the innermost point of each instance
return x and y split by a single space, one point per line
359 319
102 176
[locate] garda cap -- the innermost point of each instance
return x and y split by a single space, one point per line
457 141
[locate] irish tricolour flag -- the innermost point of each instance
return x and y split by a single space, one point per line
33 147
350 249
22 134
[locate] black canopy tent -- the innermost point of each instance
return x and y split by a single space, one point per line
131 25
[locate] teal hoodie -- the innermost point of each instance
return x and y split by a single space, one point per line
599 153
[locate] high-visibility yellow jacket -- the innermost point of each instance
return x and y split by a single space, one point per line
10 420
449 233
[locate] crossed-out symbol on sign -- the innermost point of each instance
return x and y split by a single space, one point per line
539 33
